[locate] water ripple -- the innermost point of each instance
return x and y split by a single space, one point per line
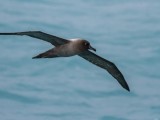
18 98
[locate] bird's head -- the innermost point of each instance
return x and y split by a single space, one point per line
82 44
86 45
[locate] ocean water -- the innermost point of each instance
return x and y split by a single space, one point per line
125 32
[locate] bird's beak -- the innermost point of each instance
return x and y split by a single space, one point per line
91 48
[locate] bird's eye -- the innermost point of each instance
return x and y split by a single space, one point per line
86 44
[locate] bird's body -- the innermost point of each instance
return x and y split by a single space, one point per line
67 48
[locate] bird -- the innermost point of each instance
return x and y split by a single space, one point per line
70 47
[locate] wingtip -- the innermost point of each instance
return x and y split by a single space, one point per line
123 82
120 78
127 88
125 85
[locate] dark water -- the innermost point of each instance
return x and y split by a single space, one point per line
125 32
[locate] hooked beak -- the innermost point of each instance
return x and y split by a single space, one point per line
91 48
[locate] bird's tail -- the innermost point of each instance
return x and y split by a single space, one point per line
42 55
47 54
39 56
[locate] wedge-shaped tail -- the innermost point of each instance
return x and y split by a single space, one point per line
47 54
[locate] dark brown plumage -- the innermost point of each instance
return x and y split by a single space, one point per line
66 48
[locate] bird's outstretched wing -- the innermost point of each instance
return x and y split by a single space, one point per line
41 35
107 65
89 56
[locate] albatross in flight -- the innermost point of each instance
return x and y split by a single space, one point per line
66 48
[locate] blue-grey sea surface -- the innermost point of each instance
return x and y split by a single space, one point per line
126 32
